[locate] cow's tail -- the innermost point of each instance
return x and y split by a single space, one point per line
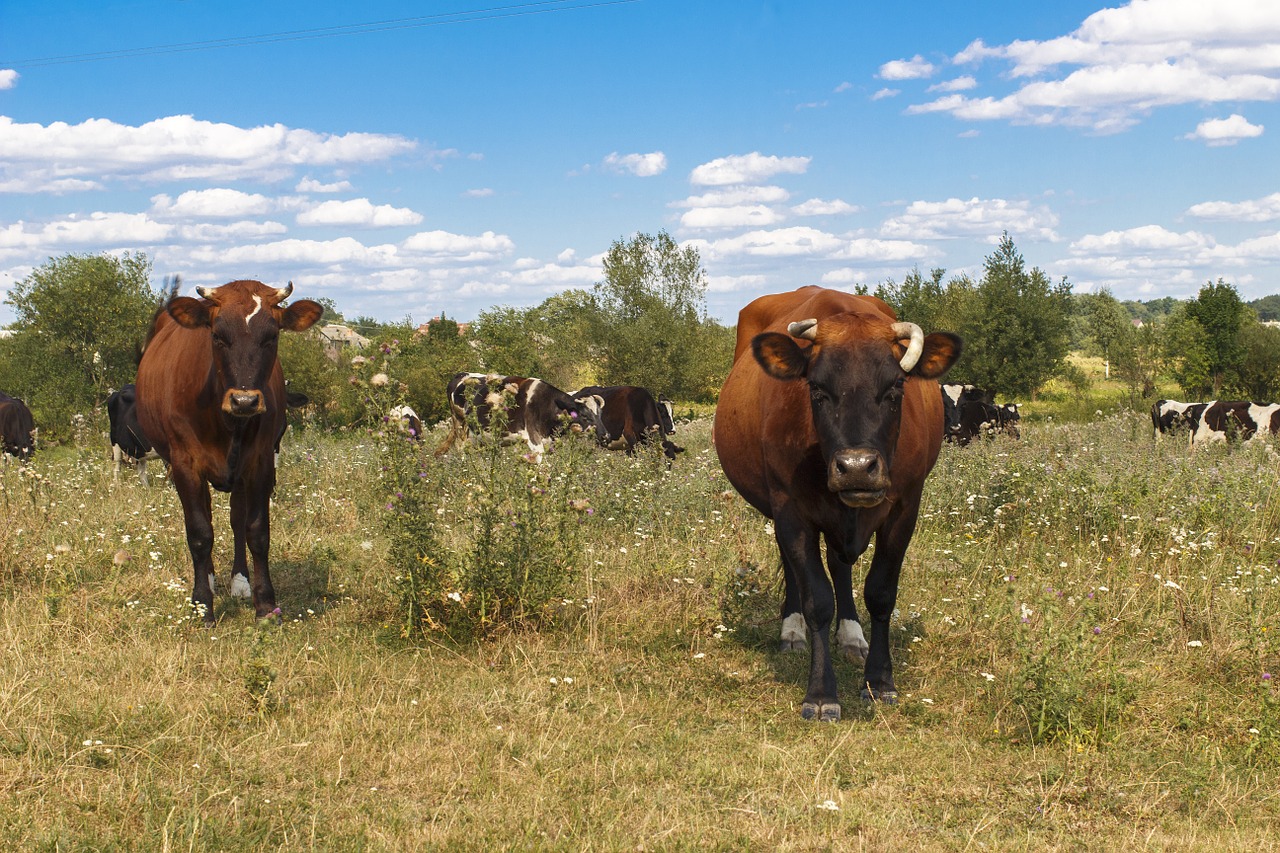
455 432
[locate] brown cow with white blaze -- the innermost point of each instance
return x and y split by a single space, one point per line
211 398
828 423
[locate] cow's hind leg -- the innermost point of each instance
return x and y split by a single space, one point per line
793 638
850 639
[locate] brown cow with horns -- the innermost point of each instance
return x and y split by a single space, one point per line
828 424
211 398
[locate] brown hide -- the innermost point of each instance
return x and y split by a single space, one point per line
768 443
211 399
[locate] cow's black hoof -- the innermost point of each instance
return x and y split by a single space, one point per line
827 712
887 697
793 646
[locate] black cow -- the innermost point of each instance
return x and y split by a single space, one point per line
534 409
953 397
629 416
17 427
128 444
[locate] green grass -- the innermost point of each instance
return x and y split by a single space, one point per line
653 713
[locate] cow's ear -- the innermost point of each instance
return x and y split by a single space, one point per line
779 355
941 350
190 313
301 315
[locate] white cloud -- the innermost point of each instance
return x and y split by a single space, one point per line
179 148
750 168
1122 63
479 192
801 242
97 229
1265 209
208 232
444 246
843 87
1225 131
8 78
212 204
358 212
974 217
736 196
821 207
915 68
959 84
640 165
310 185
742 216
1140 240
881 94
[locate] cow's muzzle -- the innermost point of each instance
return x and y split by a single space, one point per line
240 403
859 476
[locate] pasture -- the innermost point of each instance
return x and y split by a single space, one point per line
1086 635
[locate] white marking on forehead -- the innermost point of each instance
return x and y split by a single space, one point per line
257 306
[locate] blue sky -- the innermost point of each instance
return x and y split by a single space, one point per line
406 158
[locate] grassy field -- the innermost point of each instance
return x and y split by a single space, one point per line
1085 636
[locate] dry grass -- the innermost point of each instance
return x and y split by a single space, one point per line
642 723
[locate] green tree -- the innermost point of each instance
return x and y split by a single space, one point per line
1186 352
1257 376
1107 323
1016 326
427 361
653 328
1219 312
81 320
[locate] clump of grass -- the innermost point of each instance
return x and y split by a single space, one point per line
487 539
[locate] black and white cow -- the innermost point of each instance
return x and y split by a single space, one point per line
1174 416
128 444
535 409
17 428
406 419
1221 420
629 415
953 397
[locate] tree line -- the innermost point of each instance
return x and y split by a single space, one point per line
81 321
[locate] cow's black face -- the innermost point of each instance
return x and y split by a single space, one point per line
856 403
856 387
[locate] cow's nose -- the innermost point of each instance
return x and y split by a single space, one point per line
859 463
243 404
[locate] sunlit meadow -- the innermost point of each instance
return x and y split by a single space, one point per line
1084 644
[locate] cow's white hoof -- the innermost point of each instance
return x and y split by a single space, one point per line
852 642
240 587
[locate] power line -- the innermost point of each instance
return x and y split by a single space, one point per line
519 10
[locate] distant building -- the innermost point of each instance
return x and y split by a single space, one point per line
335 336
425 328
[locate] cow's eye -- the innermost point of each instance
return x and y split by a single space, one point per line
818 395
894 394
220 340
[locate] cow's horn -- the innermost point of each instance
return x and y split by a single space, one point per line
282 293
206 292
807 329
910 330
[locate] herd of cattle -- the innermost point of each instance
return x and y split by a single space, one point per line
828 425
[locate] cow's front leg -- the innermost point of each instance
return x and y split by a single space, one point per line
252 499
881 595
197 514
798 544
